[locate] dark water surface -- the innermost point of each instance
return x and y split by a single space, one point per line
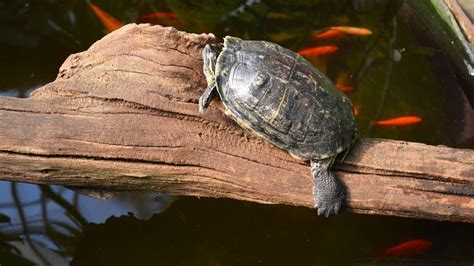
397 71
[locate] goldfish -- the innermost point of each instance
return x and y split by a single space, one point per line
277 15
326 34
157 16
356 110
202 27
345 88
162 18
332 32
342 83
320 50
410 247
399 121
109 22
352 30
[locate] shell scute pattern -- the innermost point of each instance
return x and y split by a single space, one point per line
281 97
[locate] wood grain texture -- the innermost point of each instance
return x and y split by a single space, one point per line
123 116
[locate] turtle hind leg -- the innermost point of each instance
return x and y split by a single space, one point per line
328 192
206 98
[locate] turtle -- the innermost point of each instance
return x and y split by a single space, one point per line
281 97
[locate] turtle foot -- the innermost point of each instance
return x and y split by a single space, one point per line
328 192
209 94
328 207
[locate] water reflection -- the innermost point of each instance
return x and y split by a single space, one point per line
396 71
54 217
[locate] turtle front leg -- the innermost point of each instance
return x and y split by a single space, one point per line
209 94
328 192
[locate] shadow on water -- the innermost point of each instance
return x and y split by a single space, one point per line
396 71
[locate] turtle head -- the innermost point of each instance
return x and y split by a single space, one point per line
209 55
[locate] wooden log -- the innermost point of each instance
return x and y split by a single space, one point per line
123 116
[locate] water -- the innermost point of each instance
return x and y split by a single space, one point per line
396 71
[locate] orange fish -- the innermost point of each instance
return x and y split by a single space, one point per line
333 32
158 16
399 121
356 110
321 50
352 30
345 88
202 27
277 15
330 33
109 22
342 83
410 247
162 18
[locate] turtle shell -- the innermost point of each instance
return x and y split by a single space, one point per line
280 96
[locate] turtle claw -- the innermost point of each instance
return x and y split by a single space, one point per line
328 192
337 207
328 201
324 212
328 208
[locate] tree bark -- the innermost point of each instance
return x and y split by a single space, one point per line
123 116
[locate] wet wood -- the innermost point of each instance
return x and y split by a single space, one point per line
462 17
123 116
